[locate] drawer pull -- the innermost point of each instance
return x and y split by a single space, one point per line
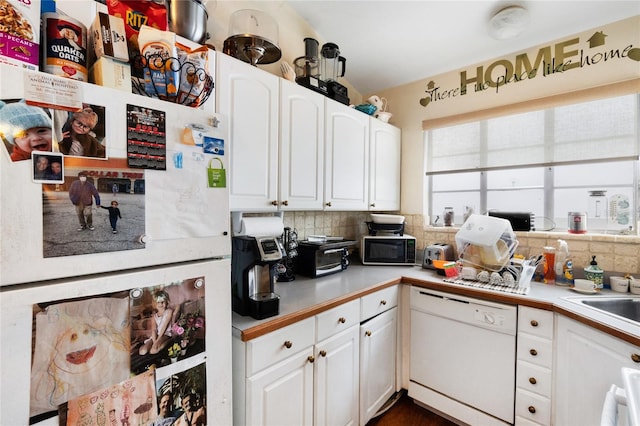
323 353
635 357
383 302
534 323
311 359
274 203
285 203
532 409
342 320
532 380
328 204
288 344
367 333
533 352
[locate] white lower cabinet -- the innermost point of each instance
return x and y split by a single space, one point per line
534 366
303 374
377 362
588 363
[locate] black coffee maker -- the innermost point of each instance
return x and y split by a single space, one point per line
254 271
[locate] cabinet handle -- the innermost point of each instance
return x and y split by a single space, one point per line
285 203
311 359
532 409
534 323
532 380
342 320
383 302
274 203
323 353
635 357
373 204
288 344
328 204
533 352
367 333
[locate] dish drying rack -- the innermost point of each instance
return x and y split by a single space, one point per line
201 87
512 278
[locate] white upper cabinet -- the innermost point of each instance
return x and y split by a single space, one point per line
301 148
346 158
248 98
384 166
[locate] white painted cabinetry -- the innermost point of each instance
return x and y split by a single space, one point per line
346 158
248 98
384 166
303 374
378 350
534 366
301 148
588 363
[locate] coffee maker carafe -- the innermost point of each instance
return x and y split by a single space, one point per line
333 66
254 270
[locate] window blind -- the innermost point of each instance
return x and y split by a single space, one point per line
605 129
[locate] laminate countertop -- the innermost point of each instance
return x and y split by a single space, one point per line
305 297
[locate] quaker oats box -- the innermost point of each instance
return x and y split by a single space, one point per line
20 33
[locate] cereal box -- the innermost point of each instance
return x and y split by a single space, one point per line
20 33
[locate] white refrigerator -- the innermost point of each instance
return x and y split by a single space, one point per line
104 313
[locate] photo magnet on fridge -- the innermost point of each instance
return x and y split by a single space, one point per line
213 145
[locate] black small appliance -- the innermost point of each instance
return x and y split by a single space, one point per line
316 259
307 68
254 270
329 63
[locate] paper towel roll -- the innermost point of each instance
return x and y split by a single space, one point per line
262 226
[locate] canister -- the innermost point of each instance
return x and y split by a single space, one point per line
577 222
65 46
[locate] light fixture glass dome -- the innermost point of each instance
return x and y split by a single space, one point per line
509 22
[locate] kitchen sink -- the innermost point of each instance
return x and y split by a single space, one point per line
625 307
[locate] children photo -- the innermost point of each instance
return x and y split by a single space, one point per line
24 128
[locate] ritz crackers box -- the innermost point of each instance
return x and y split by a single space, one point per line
20 33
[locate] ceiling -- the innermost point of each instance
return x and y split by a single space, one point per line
393 42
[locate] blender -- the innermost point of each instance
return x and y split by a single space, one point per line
330 62
307 68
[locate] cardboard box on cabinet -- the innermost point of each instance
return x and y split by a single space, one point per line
20 33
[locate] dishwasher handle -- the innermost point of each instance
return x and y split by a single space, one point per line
615 396
444 297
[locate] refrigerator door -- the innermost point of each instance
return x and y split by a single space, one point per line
19 352
176 213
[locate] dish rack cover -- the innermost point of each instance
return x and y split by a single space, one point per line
486 242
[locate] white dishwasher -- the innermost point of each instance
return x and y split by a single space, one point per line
463 356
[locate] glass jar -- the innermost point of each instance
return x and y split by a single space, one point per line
448 216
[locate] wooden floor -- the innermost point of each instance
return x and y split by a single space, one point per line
406 413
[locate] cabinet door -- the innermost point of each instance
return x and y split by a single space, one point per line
248 98
336 379
588 363
377 363
346 158
282 395
384 166
301 148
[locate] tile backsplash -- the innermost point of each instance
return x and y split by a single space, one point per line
618 254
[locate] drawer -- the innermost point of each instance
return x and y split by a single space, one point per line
271 348
535 349
533 407
337 319
535 321
380 301
533 378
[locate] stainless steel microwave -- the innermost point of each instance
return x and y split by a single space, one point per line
388 250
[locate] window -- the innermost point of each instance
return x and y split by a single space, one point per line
575 158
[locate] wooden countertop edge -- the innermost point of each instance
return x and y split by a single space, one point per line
285 320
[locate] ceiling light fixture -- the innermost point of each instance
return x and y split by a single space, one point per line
509 22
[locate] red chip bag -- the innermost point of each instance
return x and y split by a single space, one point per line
136 13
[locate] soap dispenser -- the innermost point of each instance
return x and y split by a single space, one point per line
594 273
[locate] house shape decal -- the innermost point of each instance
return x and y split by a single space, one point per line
597 39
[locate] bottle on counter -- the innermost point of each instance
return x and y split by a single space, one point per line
594 273
564 264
